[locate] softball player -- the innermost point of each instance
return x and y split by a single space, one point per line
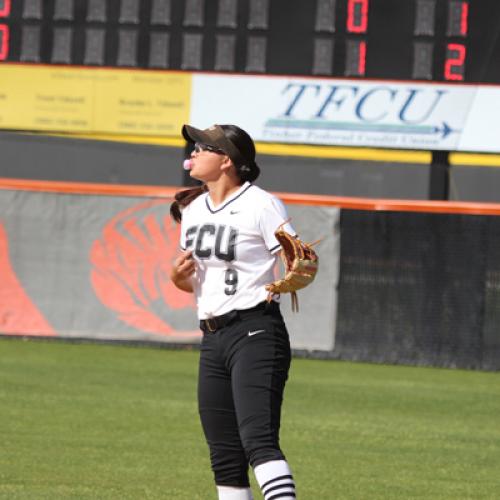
229 254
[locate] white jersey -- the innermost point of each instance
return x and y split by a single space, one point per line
234 248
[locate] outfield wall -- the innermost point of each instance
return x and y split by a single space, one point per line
67 158
290 168
400 281
94 266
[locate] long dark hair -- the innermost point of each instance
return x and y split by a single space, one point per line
249 171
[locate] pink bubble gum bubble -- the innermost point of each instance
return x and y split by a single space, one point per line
187 164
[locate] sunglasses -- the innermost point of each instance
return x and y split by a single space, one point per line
199 147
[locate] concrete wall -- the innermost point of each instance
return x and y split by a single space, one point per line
340 177
57 158
475 183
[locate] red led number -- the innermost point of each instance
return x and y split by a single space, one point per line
357 16
362 59
455 62
4 8
355 58
464 18
4 42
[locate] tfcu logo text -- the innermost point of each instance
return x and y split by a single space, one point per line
368 104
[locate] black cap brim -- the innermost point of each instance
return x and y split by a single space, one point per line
214 136
193 134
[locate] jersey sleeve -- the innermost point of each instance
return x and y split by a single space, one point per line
272 216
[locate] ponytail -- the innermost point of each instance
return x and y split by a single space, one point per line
248 172
245 164
183 199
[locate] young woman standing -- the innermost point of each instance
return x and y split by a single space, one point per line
229 254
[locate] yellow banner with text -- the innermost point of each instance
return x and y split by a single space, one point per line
93 100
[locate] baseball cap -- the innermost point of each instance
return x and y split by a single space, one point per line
214 136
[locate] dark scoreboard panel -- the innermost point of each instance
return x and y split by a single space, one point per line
428 40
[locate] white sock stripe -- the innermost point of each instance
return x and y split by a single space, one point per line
282 496
275 480
270 470
282 486
288 477
281 491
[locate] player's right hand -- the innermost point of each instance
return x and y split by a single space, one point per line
182 270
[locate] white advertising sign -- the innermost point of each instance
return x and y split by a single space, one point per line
351 112
481 129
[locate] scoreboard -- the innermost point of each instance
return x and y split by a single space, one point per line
425 40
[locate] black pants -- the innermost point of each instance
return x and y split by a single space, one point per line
243 369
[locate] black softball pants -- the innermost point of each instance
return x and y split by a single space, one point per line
243 369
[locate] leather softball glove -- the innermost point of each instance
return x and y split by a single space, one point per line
301 265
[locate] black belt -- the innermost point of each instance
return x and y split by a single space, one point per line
217 322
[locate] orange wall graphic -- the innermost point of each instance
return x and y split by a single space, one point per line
18 314
131 263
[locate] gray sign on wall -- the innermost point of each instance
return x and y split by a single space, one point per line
86 266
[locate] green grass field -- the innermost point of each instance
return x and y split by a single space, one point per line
87 421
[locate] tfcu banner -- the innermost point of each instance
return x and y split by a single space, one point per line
351 112
89 266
